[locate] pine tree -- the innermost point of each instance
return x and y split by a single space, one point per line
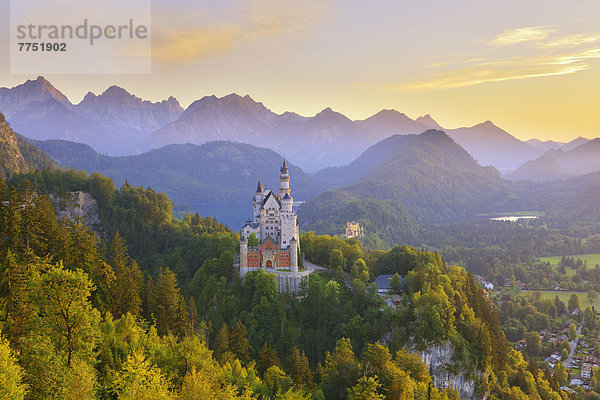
17 287
238 342
267 357
126 291
191 304
299 369
221 345
169 307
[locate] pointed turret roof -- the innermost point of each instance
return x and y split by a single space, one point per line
259 187
284 168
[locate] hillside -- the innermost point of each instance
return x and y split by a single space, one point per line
433 177
560 164
542 169
491 145
18 155
146 298
213 173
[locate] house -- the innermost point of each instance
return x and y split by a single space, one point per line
593 360
521 285
576 380
546 334
555 356
586 370
383 283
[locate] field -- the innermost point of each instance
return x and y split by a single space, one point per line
591 259
564 297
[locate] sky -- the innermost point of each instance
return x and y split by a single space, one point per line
532 67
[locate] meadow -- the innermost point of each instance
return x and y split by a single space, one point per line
565 295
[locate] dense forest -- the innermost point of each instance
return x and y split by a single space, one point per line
144 306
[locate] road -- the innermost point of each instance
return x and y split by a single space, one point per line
574 346
312 267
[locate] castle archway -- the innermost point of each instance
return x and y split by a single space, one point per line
269 264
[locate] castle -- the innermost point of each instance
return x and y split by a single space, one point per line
353 229
275 225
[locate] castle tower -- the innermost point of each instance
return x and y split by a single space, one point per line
284 180
293 255
257 201
243 256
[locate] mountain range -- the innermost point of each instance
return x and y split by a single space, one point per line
119 123
562 163
182 170
113 122
395 188
554 145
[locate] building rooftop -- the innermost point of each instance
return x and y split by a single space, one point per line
383 281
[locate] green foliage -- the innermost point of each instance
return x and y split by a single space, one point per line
183 173
60 282
574 302
365 389
12 386
533 342
66 312
141 381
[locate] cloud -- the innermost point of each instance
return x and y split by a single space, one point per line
571 41
191 44
497 71
198 37
543 37
521 35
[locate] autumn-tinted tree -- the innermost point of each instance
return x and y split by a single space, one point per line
12 386
341 370
299 369
267 357
238 342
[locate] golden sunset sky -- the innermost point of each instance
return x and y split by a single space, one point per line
532 67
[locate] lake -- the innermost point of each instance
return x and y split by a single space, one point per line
232 214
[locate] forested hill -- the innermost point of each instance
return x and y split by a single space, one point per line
432 176
18 155
152 309
215 172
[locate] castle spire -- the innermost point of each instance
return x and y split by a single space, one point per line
284 168
259 187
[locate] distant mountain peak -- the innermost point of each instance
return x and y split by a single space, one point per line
391 111
487 123
329 114
116 91
32 90
429 122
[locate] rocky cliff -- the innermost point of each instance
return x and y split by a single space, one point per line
439 360
78 205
